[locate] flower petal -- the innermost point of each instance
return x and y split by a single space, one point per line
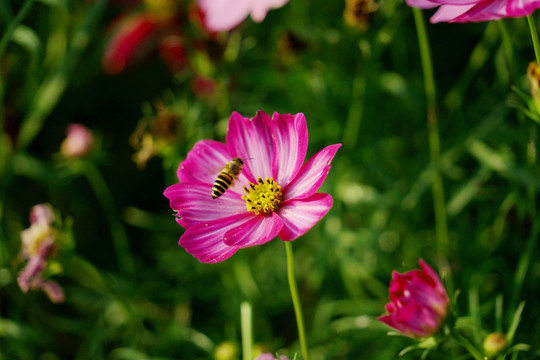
450 13
301 215
223 15
251 140
422 4
259 8
194 203
518 8
205 240
204 163
291 136
256 231
131 37
311 175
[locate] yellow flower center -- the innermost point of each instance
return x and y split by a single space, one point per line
263 197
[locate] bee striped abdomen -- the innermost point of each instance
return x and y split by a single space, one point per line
226 177
221 184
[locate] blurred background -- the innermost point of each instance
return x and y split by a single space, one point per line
149 79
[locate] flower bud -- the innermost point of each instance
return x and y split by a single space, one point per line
533 74
226 351
78 142
494 343
418 302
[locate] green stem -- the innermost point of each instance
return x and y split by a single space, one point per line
247 330
25 9
354 118
508 49
296 300
4 41
534 35
441 227
467 345
524 263
52 88
118 233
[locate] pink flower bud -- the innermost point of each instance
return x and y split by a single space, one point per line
78 142
418 302
42 213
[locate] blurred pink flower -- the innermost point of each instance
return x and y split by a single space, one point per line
418 302
38 244
137 33
280 193
476 10
223 15
78 141
270 356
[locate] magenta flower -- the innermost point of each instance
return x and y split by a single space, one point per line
280 194
139 32
223 15
418 302
476 10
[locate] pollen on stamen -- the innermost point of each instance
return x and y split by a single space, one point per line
264 197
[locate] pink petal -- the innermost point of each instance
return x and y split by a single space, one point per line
130 38
53 290
422 4
194 203
291 136
518 8
258 230
42 213
485 11
223 15
259 8
449 13
251 140
301 215
205 240
204 163
311 175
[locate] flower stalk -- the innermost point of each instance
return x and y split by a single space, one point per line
441 227
118 233
247 330
534 36
296 301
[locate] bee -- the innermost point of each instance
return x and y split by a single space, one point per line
225 178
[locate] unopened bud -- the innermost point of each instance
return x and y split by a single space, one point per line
494 343
533 74
78 141
226 351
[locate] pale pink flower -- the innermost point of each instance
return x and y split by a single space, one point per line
223 15
38 244
280 194
476 10
418 302
78 141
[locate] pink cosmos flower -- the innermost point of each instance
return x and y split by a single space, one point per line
38 244
137 33
78 141
280 194
418 302
476 10
223 15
